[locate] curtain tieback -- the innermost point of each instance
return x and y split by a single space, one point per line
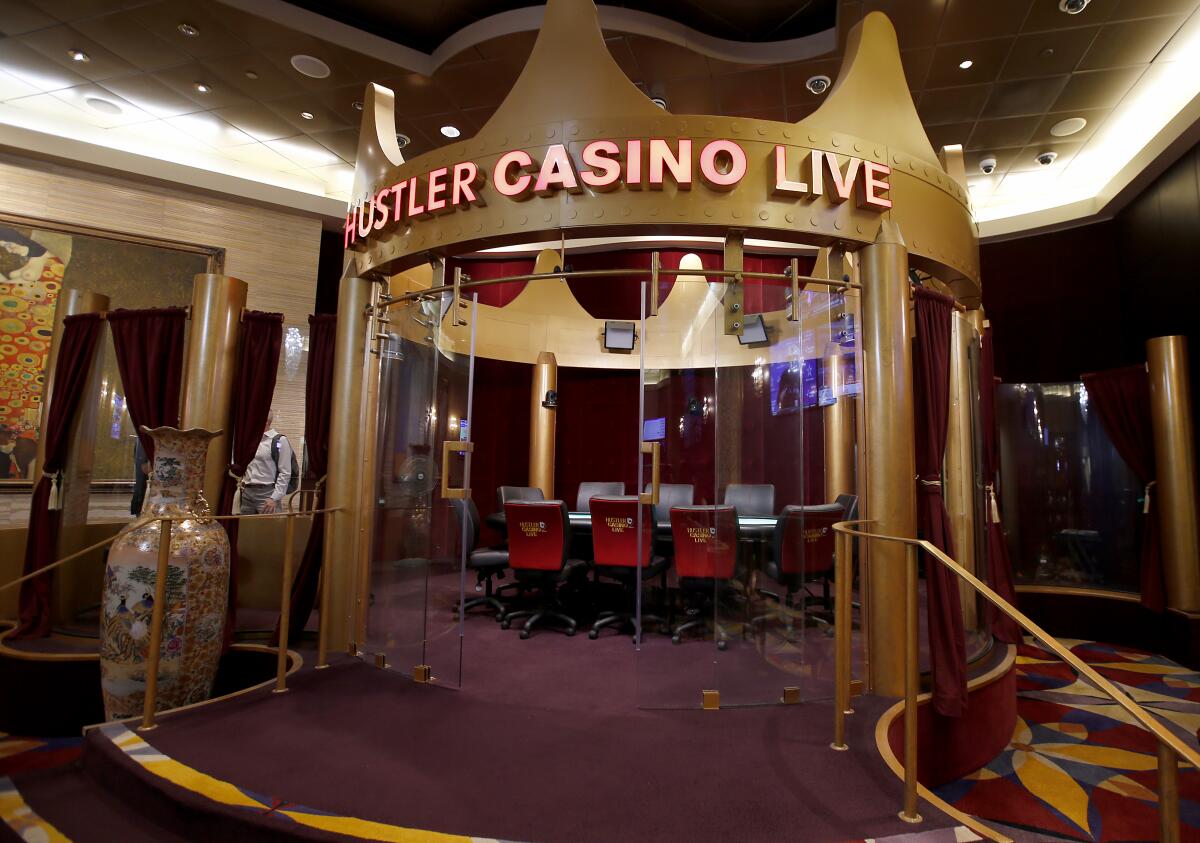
992 504
930 483
1146 498
56 496
240 478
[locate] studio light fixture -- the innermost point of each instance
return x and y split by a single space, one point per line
619 336
451 131
965 64
817 84
660 102
402 140
78 55
357 105
188 30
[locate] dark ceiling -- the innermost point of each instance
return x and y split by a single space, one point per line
424 24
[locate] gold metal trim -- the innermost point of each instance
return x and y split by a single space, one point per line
381 660
791 696
710 700
422 673
454 446
1074 591
655 452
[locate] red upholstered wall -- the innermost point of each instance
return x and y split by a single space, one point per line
500 430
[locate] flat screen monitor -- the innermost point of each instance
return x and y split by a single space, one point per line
654 430
793 386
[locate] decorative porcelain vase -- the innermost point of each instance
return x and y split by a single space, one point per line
197 585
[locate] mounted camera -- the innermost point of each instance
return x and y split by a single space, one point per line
988 165
817 84
1072 7
1046 158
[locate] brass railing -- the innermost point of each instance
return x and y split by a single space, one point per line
1170 747
160 596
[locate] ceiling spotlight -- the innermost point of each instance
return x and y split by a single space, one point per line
1047 52
1046 158
1072 7
202 87
660 102
307 115
358 106
1067 127
451 131
79 55
402 140
817 84
188 30
250 74
965 64
310 66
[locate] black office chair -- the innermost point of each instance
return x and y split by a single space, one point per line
803 552
504 494
486 562
849 505
538 539
587 491
751 499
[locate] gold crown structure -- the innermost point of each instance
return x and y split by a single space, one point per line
577 149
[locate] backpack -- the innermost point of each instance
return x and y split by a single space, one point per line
294 479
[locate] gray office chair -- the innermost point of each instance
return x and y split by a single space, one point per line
849 505
751 499
587 491
669 495
504 494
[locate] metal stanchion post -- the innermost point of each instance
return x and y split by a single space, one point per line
912 680
156 625
1168 794
285 602
841 628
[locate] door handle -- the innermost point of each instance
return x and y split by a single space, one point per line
448 447
654 449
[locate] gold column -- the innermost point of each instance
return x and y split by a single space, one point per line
208 370
542 422
75 587
346 530
960 458
839 432
891 460
1175 459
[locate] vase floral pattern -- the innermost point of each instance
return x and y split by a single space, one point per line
196 591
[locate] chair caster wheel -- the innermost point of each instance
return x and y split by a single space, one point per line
524 634
504 624
594 634
675 639
721 645
570 631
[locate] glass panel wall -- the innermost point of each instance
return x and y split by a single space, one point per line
1072 507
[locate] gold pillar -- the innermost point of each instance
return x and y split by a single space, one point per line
542 422
960 458
891 459
346 530
208 370
1175 459
74 588
839 431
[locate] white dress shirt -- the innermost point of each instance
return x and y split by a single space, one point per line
261 471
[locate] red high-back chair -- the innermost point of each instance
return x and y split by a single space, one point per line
707 541
804 547
615 550
539 535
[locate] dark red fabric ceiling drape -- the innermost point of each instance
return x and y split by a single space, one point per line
1121 398
1000 576
484 269
77 346
318 389
149 347
253 390
931 378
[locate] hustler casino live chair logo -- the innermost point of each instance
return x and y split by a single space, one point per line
701 535
533 529
605 165
617 524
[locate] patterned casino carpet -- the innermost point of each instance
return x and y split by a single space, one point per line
1077 767
24 755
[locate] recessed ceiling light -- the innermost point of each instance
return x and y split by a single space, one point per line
660 102
451 131
1067 127
965 64
307 115
402 140
79 55
188 30
358 106
817 84
310 66
1047 53
202 87
250 74
103 105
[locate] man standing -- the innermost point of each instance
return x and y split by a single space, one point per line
269 473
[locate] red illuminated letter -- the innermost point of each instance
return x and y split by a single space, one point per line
713 174
557 172
517 159
350 235
414 210
843 184
398 200
874 182
379 211
633 165
605 172
679 164
784 185
435 199
462 186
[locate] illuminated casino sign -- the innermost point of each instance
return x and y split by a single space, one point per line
606 165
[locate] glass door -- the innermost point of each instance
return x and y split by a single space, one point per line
422 531
680 633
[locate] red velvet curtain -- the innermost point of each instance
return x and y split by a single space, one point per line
1121 398
1003 627
318 386
253 390
149 347
76 349
931 377
496 295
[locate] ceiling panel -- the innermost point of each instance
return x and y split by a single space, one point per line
1048 53
968 20
18 16
986 57
1045 14
1094 117
1097 89
56 42
1023 96
953 105
152 96
738 93
1129 43
996 134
